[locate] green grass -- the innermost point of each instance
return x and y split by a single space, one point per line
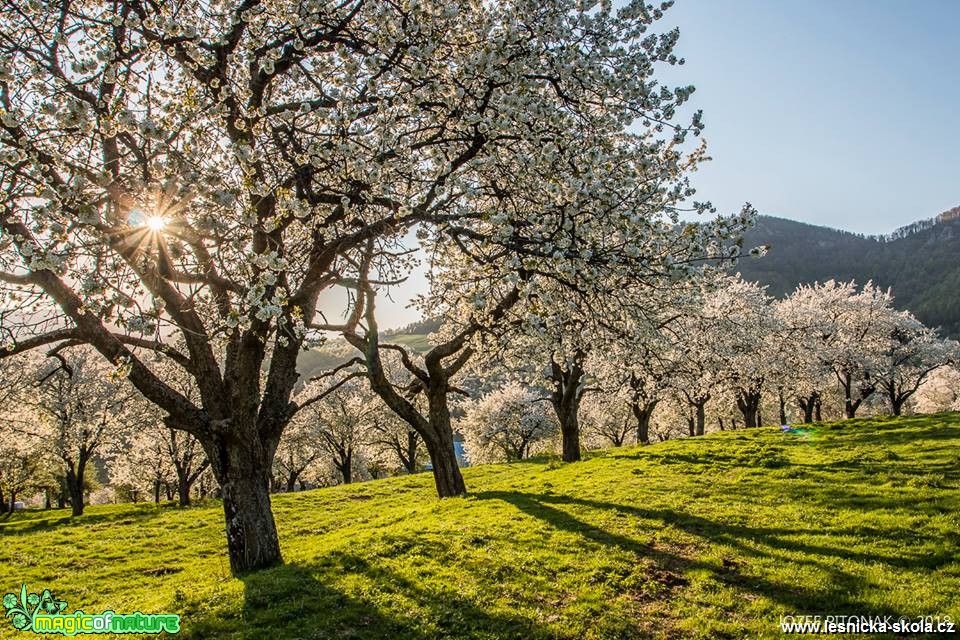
711 537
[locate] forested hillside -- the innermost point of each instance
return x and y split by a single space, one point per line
922 267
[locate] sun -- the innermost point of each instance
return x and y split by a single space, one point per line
156 223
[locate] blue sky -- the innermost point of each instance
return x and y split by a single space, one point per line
840 113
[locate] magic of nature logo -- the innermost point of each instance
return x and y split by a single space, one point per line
44 613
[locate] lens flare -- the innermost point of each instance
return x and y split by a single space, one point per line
156 223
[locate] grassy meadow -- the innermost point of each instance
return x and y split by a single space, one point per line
711 537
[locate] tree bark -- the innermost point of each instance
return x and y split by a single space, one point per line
565 398
156 492
896 404
749 404
242 467
808 405
642 413
410 460
864 391
292 481
443 453
701 422
446 471
74 478
783 408
183 493
896 395
570 435
345 466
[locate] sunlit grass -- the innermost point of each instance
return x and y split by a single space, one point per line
712 537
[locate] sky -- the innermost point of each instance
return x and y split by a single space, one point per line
843 113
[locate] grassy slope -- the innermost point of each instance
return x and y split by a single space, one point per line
690 538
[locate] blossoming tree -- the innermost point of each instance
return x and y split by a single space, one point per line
508 424
201 171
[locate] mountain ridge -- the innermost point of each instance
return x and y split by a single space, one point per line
921 266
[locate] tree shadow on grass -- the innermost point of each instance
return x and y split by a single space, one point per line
303 601
838 597
54 519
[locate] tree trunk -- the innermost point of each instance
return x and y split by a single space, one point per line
75 486
446 472
720 423
184 484
749 404
242 468
850 405
701 417
642 413
850 408
443 454
565 398
809 405
570 436
3 503
783 408
345 467
183 493
292 481
896 398
691 426
410 461
896 403
435 428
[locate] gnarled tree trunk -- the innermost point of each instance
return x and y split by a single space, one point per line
565 399
446 471
242 468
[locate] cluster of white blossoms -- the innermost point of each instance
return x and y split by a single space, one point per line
722 353
510 423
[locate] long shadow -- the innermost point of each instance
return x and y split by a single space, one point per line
57 518
836 598
301 601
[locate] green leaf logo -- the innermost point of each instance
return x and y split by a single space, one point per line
24 608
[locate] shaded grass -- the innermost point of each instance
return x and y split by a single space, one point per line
711 537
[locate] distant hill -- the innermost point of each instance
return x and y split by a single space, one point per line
920 262
338 351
